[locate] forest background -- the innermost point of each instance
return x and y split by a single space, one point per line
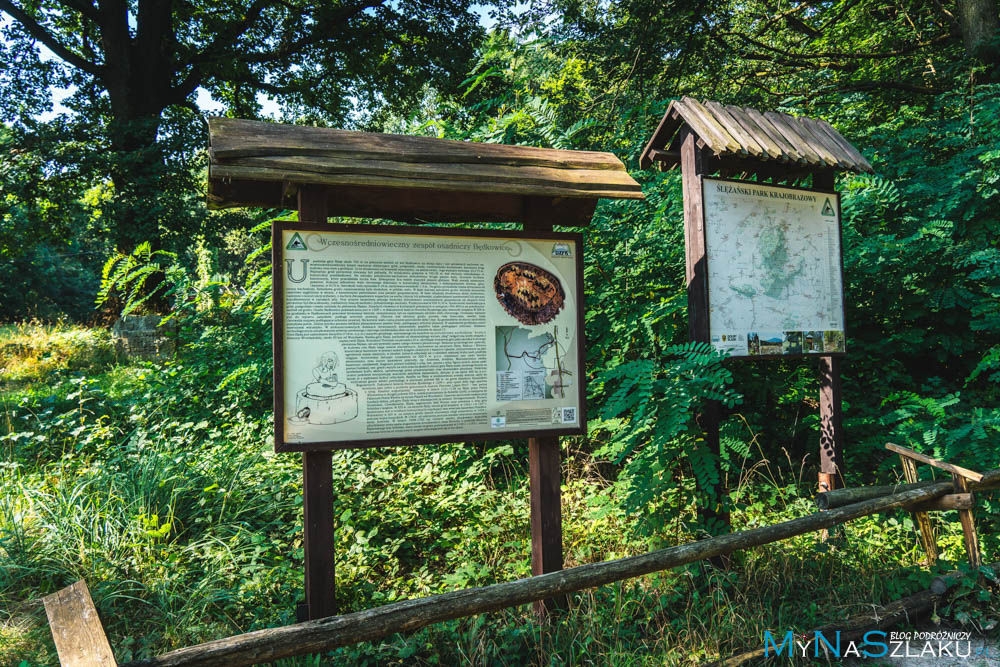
157 481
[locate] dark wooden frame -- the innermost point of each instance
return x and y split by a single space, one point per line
278 294
708 288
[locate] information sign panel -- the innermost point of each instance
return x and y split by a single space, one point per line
775 274
407 335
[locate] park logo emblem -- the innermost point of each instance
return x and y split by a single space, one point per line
828 209
296 243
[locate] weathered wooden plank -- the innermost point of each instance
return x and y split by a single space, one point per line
372 624
841 497
232 138
222 171
76 628
746 140
666 156
780 123
857 494
759 135
968 521
715 142
731 144
858 162
937 463
817 141
859 159
832 150
527 175
664 130
923 521
953 501
787 150
878 617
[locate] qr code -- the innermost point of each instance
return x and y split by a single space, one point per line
569 415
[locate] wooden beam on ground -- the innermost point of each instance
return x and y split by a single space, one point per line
76 628
372 624
879 617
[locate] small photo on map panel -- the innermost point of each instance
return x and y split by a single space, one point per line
833 341
753 343
771 342
793 343
812 342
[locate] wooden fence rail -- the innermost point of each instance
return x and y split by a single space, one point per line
850 495
372 624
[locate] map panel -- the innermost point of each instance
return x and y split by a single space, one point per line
774 269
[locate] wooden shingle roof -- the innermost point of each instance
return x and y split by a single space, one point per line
742 132
249 157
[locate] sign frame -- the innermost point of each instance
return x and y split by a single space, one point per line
278 343
708 288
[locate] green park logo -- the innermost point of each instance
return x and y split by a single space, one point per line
296 243
828 209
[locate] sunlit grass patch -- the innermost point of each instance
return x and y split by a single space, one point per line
32 352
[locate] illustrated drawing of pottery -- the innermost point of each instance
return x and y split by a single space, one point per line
326 403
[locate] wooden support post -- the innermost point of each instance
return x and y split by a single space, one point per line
831 426
76 628
544 461
923 521
317 482
693 161
546 514
968 523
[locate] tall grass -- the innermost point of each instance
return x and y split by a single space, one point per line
158 485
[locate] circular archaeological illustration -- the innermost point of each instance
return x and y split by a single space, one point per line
529 293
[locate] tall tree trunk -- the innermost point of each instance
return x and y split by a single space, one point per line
979 22
137 174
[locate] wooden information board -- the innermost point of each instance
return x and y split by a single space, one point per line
774 269
405 335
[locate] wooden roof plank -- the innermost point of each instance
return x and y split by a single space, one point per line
223 171
842 159
731 145
704 131
774 135
730 131
665 129
813 139
736 130
451 171
747 123
232 138
794 138
859 160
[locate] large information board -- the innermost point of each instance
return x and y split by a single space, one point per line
406 335
775 273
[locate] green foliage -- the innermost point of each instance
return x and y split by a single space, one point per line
647 427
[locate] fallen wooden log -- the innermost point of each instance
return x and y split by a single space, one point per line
878 618
335 631
857 494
